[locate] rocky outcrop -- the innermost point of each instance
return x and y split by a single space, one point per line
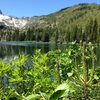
12 21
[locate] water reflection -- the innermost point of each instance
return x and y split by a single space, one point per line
10 50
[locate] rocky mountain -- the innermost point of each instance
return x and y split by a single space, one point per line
78 22
12 21
64 18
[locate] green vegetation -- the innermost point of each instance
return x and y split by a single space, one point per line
79 22
56 75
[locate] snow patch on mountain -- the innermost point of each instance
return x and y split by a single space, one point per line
13 21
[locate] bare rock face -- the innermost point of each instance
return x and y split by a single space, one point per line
12 21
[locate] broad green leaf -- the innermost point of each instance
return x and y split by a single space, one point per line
17 79
12 80
44 96
63 86
56 95
33 97
60 90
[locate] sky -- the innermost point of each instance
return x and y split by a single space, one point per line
29 8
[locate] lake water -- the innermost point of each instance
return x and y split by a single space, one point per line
9 50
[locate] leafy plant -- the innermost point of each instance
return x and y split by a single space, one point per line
70 74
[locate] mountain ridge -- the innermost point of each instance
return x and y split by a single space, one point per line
43 20
75 23
79 14
12 21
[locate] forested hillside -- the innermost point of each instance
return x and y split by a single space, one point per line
79 22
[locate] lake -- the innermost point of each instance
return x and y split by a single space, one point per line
9 50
